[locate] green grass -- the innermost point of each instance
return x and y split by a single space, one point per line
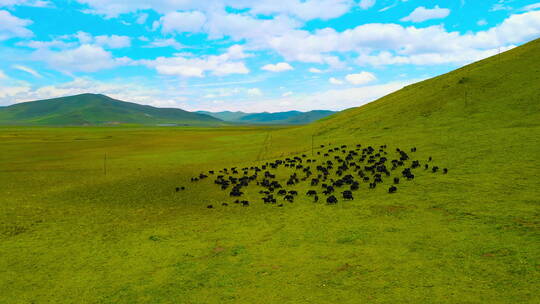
70 233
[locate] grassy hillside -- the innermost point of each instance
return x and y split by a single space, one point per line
91 215
265 118
96 109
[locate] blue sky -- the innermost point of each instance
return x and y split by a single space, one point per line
263 55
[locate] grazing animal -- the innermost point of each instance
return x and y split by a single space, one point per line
392 189
347 195
311 192
236 192
426 166
225 204
209 206
245 203
445 170
289 198
282 192
396 180
315 199
435 169
331 200
280 205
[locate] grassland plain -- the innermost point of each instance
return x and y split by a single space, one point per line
70 233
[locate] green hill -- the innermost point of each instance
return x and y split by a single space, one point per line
97 109
501 91
266 118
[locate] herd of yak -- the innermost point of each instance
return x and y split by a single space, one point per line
337 173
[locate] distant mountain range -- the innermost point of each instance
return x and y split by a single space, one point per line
289 118
97 109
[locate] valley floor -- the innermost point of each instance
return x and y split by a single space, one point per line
90 215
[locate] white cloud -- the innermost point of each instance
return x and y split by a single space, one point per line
421 14
83 37
500 7
468 56
374 39
366 4
113 41
9 93
315 71
360 78
278 67
170 42
27 70
3 75
305 10
531 7
34 3
336 81
181 22
57 44
242 26
300 9
141 19
219 65
287 94
95 59
481 22
11 26
255 92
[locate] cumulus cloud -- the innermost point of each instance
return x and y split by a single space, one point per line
113 41
34 3
336 81
289 93
421 14
315 70
27 70
387 58
376 39
170 42
95 59
300 9
141 19
254 92
219 65
531 7
12 26
278 67
3 75
366 4
181 22
56 44
305 10
360 78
